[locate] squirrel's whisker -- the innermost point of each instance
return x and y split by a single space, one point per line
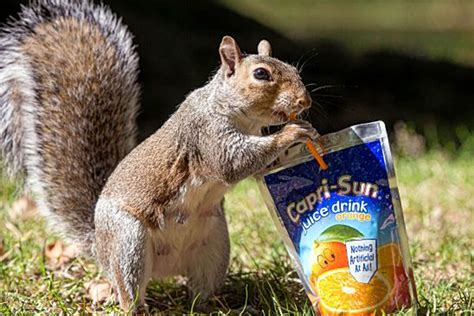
323 87
308 53
311 84
318 111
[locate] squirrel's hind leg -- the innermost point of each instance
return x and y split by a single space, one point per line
124 251
208 263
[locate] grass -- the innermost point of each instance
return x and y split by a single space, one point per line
436 190
431 29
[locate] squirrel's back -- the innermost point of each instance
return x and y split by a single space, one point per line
68 104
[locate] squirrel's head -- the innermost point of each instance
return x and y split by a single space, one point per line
270 89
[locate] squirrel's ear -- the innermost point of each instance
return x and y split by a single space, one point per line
230 54
264 48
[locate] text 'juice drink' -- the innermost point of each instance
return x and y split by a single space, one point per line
344 226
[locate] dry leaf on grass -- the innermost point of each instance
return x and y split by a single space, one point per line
23 208
99 291
2 247
59 254
3 253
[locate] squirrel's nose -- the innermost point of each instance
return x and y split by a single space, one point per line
304 102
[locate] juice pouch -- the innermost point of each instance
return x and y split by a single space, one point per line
343 226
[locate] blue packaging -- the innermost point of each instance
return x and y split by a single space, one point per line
344 227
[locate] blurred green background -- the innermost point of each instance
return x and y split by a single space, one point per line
398 60
436 30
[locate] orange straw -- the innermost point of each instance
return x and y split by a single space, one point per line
312 149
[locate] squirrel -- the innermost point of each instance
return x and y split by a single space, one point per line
69 98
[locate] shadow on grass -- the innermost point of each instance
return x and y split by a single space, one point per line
276 290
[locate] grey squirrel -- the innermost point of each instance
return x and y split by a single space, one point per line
68 104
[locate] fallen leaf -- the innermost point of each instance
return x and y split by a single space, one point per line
3 253
2 247
59 254
99 291
23 208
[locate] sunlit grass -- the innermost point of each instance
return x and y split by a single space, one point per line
437 192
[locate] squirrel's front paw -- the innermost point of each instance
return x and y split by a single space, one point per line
296 132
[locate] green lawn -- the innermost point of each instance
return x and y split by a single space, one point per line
437 192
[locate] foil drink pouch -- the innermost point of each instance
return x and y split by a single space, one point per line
343 227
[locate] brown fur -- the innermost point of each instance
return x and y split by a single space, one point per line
75 122
76 65
148 180
174 182
160 211
68 104
145 193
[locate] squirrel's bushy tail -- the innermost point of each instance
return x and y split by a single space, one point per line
68 105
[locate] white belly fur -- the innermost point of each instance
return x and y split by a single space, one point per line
175 244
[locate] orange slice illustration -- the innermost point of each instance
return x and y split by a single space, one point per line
341 294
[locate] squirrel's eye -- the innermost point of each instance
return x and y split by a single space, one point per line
261 74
